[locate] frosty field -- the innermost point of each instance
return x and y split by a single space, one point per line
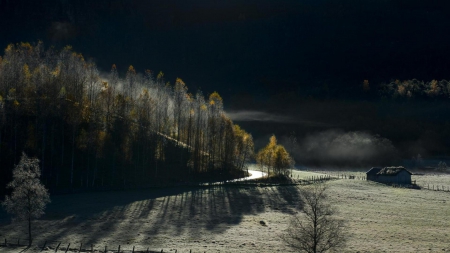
227 219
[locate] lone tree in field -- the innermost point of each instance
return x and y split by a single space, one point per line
29 196
316 230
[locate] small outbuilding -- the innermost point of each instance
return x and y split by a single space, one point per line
389 175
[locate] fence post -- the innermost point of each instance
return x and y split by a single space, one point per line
147 250
105 248
68 247
92 248
133 249
18 241
57 246
43 247
6 243
118 251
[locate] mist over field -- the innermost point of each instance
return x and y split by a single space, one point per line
261 116
339 148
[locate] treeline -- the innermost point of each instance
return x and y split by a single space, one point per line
91 132
414 89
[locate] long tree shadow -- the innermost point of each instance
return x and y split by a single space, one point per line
152 216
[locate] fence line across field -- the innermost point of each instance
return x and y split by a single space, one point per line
58 246
431 187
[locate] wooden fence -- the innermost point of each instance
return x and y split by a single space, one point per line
329 177
57 246
433 187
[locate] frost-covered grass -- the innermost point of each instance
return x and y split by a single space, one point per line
384 218
436 179
227 219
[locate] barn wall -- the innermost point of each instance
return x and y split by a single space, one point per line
401 178
404 177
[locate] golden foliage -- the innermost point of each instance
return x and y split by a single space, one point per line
272 141
434 88
275 157
366 86
27 73
9 48
160 75
401 90
26 46
215 96
131 70
56 71
215 99
180 82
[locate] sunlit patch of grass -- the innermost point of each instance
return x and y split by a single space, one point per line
392 219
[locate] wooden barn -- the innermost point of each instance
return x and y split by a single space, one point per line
389 175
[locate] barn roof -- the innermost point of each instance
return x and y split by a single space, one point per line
392 171
373 171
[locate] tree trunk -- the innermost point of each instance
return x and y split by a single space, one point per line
29 231
43 149
62 155
95 171
29 218
73 154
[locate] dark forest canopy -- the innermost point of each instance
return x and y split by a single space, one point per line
90 131
318 48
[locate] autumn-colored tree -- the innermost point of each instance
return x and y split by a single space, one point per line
274 157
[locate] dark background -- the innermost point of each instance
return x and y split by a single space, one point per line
304 60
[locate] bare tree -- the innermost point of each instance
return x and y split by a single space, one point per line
29 197
316 230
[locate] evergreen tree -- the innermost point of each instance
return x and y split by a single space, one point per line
29 197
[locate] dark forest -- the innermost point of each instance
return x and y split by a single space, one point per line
123 132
